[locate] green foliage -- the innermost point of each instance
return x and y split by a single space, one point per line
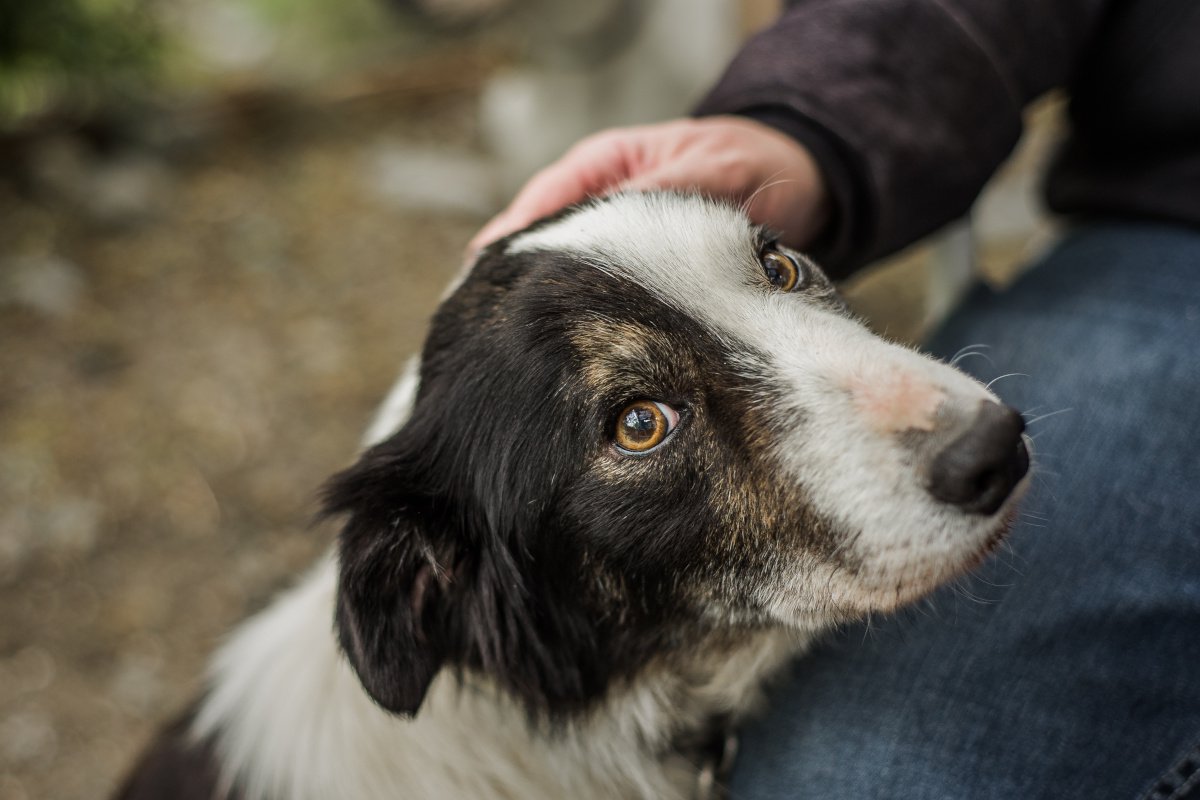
51 50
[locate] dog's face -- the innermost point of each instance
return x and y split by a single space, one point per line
642 427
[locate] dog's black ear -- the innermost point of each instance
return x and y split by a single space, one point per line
444 562
394 578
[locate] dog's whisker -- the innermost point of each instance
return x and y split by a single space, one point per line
993 584
1002 377
1048 415
868 628
1045 485
770 182
965 356
969 350
960 589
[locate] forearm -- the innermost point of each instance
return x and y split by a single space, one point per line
908 105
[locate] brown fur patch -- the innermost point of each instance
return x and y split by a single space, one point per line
614 352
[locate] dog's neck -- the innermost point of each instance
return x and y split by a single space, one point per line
290 720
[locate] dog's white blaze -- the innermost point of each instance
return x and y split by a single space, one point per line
699 257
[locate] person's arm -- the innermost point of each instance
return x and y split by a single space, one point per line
908 106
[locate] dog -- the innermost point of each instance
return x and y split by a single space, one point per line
646 456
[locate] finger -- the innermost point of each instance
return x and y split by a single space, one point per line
682 178
788 205
588 169
495 228
534 202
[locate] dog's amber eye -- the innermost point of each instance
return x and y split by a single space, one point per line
782 270
644 425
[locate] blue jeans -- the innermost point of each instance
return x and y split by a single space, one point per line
1069 666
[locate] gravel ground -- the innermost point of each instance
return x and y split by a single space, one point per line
176 380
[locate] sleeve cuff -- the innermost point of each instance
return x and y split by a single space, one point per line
841 246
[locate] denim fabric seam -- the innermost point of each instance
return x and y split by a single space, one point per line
1179 781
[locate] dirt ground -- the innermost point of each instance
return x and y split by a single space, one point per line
173 391
176 381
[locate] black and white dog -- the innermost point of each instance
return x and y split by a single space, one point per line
646 456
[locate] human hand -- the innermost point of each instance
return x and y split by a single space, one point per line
733 158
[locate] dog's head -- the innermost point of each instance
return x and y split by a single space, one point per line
643 427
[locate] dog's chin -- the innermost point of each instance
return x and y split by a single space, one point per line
1005 518
987 534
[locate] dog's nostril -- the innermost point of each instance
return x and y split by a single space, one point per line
979 469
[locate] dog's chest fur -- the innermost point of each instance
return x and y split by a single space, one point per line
292 721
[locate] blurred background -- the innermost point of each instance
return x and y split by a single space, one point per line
223 226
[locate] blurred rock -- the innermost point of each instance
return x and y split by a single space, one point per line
27 736
431 180
117 190
68 527
228 35
125 191
71 525
48 284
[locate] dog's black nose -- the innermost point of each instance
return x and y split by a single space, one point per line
979 469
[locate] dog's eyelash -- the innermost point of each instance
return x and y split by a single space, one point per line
766 239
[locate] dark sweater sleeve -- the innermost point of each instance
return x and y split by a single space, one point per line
908 106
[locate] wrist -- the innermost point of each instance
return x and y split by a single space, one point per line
843 211
780 181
